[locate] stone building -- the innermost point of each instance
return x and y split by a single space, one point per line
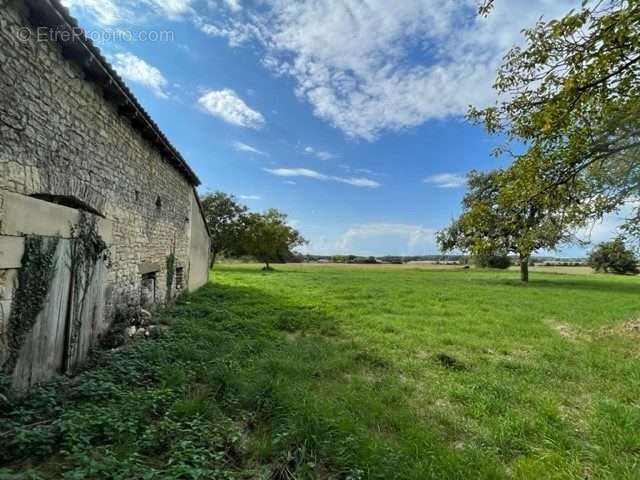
79 153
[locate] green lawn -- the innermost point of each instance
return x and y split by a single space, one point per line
339 372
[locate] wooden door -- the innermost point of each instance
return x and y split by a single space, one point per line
42 353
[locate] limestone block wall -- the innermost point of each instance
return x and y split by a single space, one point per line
60 137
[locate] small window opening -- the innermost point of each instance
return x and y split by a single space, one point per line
159 203
137 194
179 278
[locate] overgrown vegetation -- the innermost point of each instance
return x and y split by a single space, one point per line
87 249
171 273
30 293
353 373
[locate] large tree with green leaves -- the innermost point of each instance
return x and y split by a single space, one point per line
571 94
493 221
226 219
614 257
269 238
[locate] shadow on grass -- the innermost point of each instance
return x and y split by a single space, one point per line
574 284
257 269
316 391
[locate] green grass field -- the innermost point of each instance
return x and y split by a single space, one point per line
350 373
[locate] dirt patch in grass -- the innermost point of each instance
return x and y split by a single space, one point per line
630 328
569 332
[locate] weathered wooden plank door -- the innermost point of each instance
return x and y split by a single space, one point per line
86 319
42 353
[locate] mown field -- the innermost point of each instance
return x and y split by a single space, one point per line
354 373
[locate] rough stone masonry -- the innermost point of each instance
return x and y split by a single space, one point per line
71 133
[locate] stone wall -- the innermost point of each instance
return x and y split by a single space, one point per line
59 136
199 254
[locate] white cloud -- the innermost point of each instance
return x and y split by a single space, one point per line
447 180
233 5
172 9
226 105
308 173
365 171
320 155
104 12
236 33
137 70
114 12
243 147
368 67
250 197
609 227
416 239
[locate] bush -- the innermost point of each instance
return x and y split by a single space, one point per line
614 257
492 261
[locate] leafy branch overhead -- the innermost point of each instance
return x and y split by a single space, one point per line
572 97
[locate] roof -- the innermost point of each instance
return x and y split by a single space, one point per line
79 49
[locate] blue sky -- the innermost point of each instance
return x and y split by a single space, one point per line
348 115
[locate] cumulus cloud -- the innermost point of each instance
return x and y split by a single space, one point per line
320 155
233 5
609 227
138 71
415 238
243 147
112 12
172 9
369 67
308 173
228 106
235 34
447 180
104 12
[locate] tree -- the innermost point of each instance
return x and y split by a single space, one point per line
269 238
226 219
494 260
494 224
572 97
614 257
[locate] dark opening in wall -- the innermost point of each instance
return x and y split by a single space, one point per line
137 195
159 203
148 290
67 201
179 278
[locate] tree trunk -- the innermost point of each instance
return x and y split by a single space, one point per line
524 268
214 254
